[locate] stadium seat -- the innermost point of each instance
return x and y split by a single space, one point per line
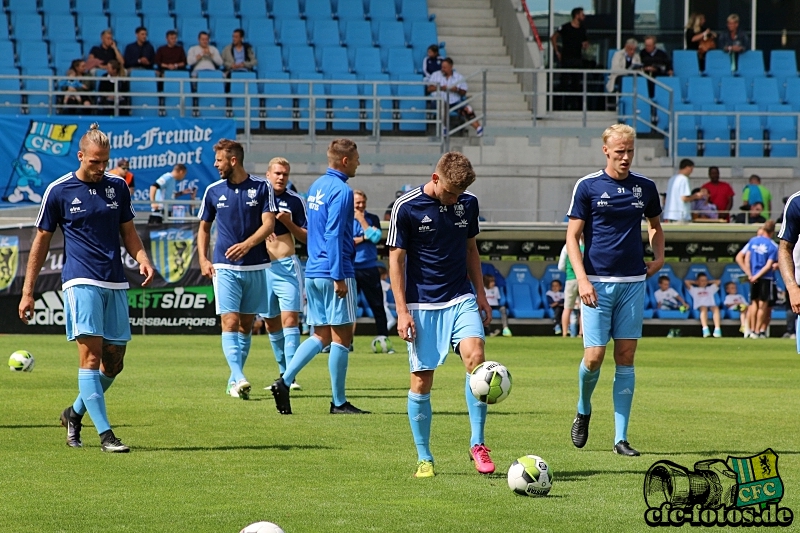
676 283
357 33
286 10
300 58
662 98
292 32
686 131
414 10
252 9
270 59
733 91
222 30
524 298
226 8
382 10
259 32
144 105
700 91
422 35
551 272
159 8
751 64
363 305
750 129
388 34
64 53
782 64
189 28
489 268
182 8
124 27
782 128
350 10
793 93
27 26
399 61
121 7
10 97
385 101
765 92
685 64
7 56
212 105
80 7
718 64
245 86
278 103
318 10
157 28
691 274
302 89
367 60
4 33
172 86
716 131
33 55
346 106
626 104
90 27
21 6
325 33
333 60
734 273
53 7
38 104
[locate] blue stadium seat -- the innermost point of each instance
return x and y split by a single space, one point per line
222 29
385 102
318 10
718 63
750 129
259 32
52 7
367 60
551 273
270 59
782 128
286 10
124 27
38 104
686 131
300 58
4 33
27 26
189 28
253 9
160 8
388 34
325 33
765 92
676 283
248 86
382 10
60 28
346 106
793 93
733 273
691 274
183 8
751 64
145 105
783 64
121 7
10 97
64 54
700 91
7 56
333 60
21 6
33 54
301 89
81 7
399 61
157 28
224 8
626 105
684 63
716 131
413 111
213 104
172 86
90 28
357 33
662 98
524 298
414 10
278 103
423 34
350 10
732 91
292 32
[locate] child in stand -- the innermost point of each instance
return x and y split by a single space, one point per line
668 298
736 302
703 291
555 299
493 297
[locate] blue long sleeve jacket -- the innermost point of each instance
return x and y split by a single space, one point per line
331 251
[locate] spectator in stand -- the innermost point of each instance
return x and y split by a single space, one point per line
622 61
736 302
164 189
171 56
702 291
555 300
140 53
733 41
699 37
71 87
494 298
755 192
720 193
677 207
451 86
238 55
753 216
432 62
668 298
656 62
99 56
573 42
122 171
111 88
203 56
702 209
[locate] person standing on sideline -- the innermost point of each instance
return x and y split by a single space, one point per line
607 208
93 209
571 299
756 260
284 277
433 258
366 234
573 42
330 278
678 207
789 254
243 206
164 189
720 193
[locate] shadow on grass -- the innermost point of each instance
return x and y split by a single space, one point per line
279 447
51 426
464 413
580 475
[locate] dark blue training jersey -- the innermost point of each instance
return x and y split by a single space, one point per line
612 212
761 250
90 215
331 250
237 210
790 227
367 251
434 237
290 202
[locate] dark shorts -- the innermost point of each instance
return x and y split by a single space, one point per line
764 290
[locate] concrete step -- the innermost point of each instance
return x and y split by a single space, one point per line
474 4
475 44
448 32
483 19
481 62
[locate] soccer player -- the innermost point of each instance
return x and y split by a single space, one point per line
244 208
789 253
330 278
432 260
756 259
93 209
607 207
284 277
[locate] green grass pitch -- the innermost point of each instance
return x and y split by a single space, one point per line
204 462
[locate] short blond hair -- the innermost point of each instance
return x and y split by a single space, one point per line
733 17
279 161
95 137
359 192
456 169
623 131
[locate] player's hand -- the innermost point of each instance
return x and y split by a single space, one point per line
283 217
340 288
207 269
26 308
146 269
237 251
793 292
485 311
358 215
587 293
406 327
753 278
654 266
272 237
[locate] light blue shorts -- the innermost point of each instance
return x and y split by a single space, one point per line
438 329
618 314
284 279
240 291
97 312
327 309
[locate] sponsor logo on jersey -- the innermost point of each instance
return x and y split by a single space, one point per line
462 223
251 193
423 229
315 200
637 191
113 205
76 201
602 203
426 219
638 204
605 195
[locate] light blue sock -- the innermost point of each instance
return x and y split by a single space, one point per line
291 341
624 384
78 407
233 353
91 391
587 380
277 341
419 416
477 416
245 339
304 354
337 366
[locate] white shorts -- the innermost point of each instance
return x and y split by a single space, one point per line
571 294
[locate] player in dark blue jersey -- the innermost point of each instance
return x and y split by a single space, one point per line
284 277
432 260
244 209
789 253
93 209
607 208
330 278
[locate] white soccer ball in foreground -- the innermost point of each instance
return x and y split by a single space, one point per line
21 361
530 476
490 382
262 527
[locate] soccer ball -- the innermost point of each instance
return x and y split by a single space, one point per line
530 476
490 382
381 344
262 527
21 361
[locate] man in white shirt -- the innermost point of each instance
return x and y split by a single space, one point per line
451 86
677 207
203 56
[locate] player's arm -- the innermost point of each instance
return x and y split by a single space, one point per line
203 240
656 235
36 257
562 259
786 262
585 288
742 261
153 190
766 268
239 250
397 276
133 244
476 277
335 228
299 234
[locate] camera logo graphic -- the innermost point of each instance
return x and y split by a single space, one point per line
741 491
